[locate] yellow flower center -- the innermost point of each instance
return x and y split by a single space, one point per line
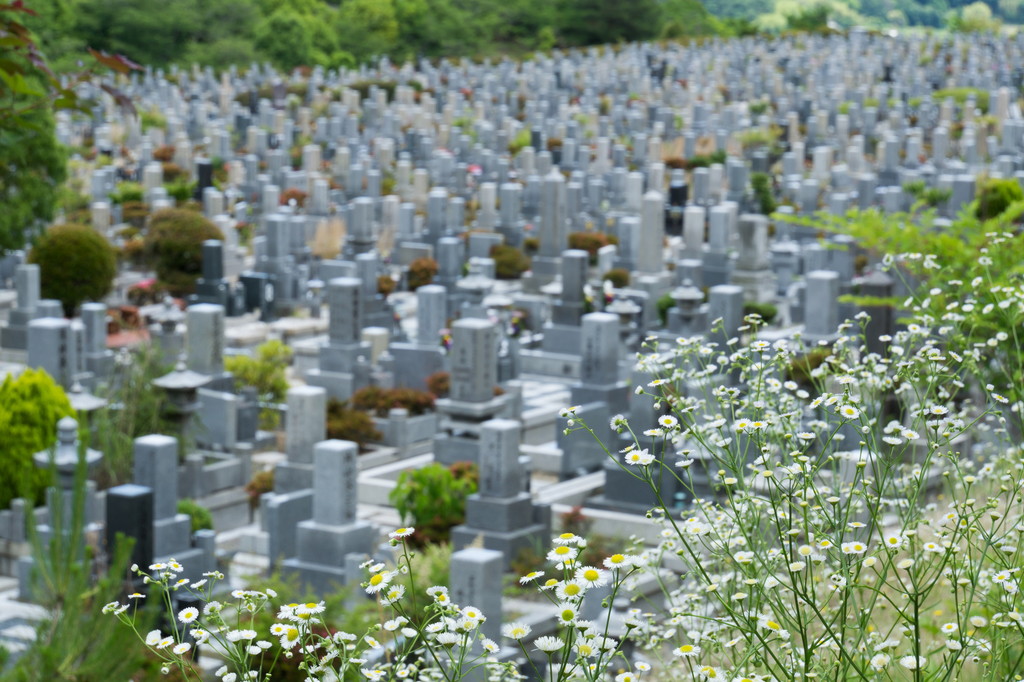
686 648
617 558
572 589
377 579
561 550
591 574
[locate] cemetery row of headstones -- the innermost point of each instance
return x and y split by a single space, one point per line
458 161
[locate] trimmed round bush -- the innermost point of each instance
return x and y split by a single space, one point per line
76 264
174 247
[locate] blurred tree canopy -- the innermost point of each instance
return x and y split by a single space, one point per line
292 33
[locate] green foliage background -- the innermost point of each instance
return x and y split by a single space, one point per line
292 33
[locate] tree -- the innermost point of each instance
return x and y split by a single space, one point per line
76 264
148 31
1009 8
284 39
31 160
367 27
683 18
32 168
587 22
976 18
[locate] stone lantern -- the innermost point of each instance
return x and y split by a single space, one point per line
182 388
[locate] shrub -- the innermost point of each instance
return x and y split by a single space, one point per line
346 423
179 188
381 400
163 153
509 262
76 264
519 142
439 383
591 242
421 272
665 303
135 213
385 285
133 409
363 87
757 137
147 291
761 184
127 192
293 194
260 483
201 517
996 195
433 499
960 96
705 160
266 372
619 277
767 311
174 173
801 368
30 407
133 250
369 398
531 245
174 246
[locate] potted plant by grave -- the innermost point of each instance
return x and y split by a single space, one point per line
421 272
555 147
432 499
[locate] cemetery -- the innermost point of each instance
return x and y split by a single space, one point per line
650 361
